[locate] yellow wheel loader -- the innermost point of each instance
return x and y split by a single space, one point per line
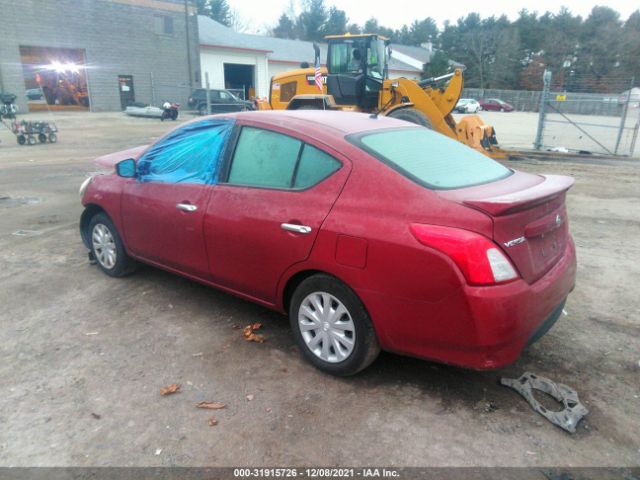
356 79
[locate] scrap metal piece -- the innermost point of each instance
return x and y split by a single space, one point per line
567 418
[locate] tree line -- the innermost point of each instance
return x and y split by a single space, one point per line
599 53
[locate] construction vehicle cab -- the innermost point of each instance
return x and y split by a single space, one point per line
356 77
356 68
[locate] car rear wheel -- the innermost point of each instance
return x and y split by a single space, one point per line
412 115
107 247
332 327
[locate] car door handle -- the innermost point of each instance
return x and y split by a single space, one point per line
186 207
292 227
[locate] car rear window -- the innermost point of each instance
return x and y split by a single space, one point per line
429 158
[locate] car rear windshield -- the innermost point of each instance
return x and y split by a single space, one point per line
429 158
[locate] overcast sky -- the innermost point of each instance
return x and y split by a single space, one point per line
262 14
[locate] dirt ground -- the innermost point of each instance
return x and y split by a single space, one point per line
83 356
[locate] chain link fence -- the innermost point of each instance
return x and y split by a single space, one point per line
573 120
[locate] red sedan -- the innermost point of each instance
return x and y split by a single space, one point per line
371 233
496 105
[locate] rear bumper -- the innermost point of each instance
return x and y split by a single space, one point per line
475 327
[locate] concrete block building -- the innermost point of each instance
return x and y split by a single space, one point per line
98 54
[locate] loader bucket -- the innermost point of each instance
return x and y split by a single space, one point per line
473 132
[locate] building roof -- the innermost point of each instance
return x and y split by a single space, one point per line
214 34
418 53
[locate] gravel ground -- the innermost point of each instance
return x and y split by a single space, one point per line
84 355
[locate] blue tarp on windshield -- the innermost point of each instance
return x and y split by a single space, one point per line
190 154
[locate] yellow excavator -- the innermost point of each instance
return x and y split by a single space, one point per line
357 79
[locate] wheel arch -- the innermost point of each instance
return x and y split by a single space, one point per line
297 277
292 283
319 102
90 210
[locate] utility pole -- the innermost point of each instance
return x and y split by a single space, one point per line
188 32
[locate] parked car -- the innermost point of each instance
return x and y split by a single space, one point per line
34 94
371 233
222 101
467 105
495 104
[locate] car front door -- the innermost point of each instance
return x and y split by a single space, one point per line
164 206
266 215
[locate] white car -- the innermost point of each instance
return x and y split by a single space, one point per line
467 105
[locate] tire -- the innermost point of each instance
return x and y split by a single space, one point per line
31 140
21 139
42 137
53 138
355 328
202 109
501 109
412 115
102 232
308 107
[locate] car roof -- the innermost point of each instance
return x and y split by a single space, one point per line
344 123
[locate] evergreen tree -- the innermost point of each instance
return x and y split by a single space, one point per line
285 28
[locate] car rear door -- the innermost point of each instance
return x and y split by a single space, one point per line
267 214
164 206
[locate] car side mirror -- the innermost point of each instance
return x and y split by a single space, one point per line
126 168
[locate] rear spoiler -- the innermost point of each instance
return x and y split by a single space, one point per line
551 187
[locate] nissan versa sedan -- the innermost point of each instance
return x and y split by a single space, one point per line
371 233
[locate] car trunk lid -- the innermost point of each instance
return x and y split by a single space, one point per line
529 218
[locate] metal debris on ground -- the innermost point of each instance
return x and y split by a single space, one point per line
210 405
26 233
169 389
566 418
249 334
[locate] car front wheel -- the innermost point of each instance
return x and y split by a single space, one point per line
332 327
107 248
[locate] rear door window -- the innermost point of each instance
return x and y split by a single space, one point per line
263 158
314 166
429 158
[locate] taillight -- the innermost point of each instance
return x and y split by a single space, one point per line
479 259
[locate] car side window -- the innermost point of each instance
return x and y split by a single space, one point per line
272 160
225 96
187 155
264 159
314 166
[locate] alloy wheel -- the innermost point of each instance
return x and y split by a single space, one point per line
104 246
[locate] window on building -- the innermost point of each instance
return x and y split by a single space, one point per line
164 25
